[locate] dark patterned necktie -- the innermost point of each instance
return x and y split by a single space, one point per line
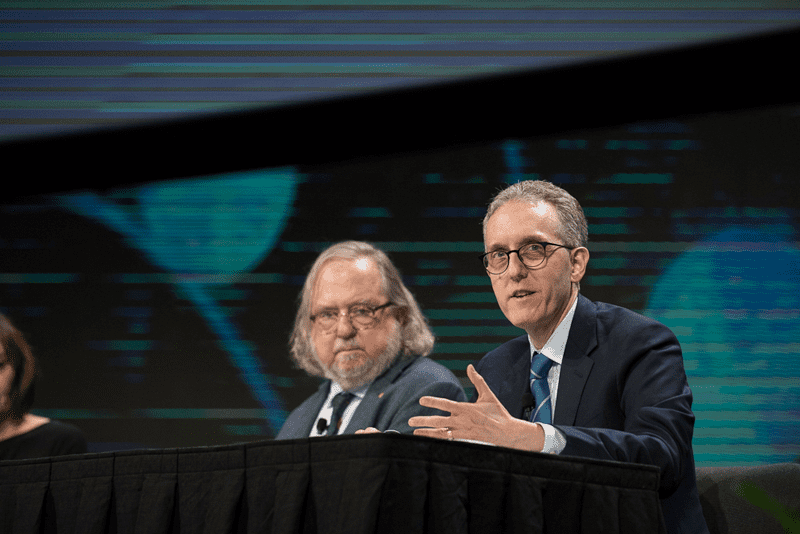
339 402
540 366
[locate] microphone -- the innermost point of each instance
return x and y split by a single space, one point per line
322 425
528 405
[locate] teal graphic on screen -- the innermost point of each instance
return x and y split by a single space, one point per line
205 233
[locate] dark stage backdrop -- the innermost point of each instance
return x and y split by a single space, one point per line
160 312
76 65
158 275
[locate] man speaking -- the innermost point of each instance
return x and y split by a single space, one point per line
588 379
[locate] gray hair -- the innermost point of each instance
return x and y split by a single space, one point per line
572 221
416 336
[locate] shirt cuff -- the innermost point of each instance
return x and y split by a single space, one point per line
554 439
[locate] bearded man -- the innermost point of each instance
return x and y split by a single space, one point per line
361 329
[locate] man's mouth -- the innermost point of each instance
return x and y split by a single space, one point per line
521 293
346 349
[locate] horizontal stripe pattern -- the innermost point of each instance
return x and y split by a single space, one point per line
67 66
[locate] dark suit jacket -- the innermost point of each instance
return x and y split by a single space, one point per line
389 401
622 395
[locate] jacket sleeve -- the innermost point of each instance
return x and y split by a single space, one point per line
636 405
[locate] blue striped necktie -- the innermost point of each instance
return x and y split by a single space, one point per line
540 366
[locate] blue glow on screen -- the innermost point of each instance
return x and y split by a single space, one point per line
733 300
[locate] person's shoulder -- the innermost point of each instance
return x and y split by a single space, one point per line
612 313
425 369
425 376
291 426
617 320
315 398
66 438
62 428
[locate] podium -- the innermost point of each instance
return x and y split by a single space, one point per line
378 483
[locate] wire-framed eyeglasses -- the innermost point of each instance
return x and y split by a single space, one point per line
361 316
531 255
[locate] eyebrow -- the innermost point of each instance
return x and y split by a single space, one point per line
526 241
359 303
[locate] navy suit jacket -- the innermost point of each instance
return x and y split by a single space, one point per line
389 402
622 395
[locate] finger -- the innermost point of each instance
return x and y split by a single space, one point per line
446 405
368 430
430 420
480 384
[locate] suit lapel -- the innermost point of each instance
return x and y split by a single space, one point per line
309 417
576 365
518 380
365 413
507 375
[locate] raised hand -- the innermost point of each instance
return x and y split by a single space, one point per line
486 420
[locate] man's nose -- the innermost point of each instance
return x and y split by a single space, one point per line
516 269
344 326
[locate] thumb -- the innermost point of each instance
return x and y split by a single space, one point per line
484 393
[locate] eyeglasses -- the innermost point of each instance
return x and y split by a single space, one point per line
531 255
360 315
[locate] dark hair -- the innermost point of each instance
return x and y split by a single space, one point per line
19 356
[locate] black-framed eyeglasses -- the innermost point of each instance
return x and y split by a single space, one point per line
531 255
362 316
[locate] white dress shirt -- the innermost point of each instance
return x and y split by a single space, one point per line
326 412
554 440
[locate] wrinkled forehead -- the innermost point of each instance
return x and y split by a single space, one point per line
343 282
517 222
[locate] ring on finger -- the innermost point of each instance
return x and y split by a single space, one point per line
449 435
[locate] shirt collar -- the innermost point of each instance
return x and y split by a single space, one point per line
555 346
336 388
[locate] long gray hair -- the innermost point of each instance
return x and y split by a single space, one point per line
417 338
572 221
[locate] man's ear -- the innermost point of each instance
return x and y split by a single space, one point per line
580 259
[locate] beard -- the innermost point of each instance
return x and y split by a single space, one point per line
354 377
